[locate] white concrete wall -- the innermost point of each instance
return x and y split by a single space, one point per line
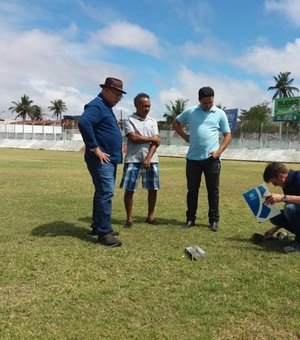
262 155
243 154
15 128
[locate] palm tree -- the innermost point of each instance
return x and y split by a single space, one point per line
58 107
23 107
174 109
283 86
36 113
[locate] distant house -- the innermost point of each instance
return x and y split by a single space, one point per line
70 121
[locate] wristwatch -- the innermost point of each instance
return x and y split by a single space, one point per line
285 199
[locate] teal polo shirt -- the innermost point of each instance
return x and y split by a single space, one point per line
204 129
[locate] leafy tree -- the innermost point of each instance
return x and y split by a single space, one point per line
23 107
174 109
283 86
36 113
255 118
57 107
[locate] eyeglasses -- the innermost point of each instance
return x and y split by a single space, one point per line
116 93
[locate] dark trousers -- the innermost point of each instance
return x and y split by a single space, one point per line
211 168
289 219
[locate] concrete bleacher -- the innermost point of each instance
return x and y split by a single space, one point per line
291 155
231 153
61 145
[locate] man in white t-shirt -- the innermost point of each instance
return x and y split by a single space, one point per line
141 159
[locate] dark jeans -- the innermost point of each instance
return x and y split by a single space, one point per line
211 168
104 177
289 219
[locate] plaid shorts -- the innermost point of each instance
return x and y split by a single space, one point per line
132 173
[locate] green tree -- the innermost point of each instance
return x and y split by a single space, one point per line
254 119
36 112
283 86
57 107
174 109
23 107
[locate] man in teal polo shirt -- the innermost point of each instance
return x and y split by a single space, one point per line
206 122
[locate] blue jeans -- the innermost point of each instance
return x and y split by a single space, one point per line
211 168
104 177
289 219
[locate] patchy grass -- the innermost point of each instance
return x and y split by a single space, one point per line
56 282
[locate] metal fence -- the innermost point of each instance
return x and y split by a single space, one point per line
56 133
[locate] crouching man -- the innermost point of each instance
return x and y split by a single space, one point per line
289 180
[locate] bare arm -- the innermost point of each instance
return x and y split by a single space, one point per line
137 138
178 128
272 231
277 198
151 151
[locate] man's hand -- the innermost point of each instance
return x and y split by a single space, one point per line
273 198
103 157
147 163
215 154
269 233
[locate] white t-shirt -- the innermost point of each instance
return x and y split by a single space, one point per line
136 152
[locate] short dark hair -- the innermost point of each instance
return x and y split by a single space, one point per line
206 92
273 169
138 97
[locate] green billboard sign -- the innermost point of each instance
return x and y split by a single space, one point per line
287 109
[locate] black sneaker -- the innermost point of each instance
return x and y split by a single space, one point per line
295 246
109 240
214 226
189 224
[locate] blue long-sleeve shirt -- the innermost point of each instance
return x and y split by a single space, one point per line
99 128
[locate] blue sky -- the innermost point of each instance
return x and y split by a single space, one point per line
63 49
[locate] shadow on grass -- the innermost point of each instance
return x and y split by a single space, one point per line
88 220
61 228
274 245
140 220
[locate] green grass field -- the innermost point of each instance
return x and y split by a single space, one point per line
56 282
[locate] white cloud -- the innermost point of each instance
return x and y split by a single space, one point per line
229 92
267 60
131 36
48 66
100 14
290 8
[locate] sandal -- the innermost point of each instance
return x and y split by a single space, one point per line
153 222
